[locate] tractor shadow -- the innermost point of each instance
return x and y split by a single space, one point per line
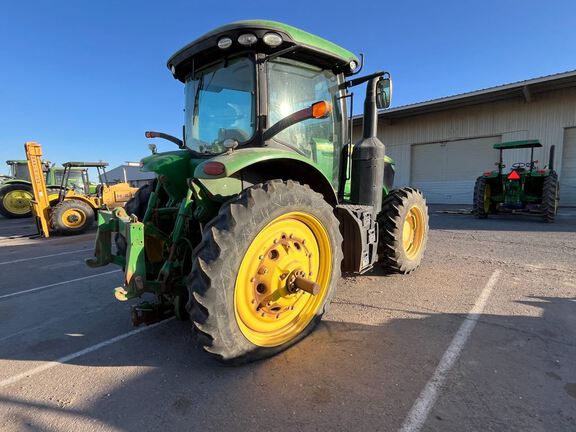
516 372
449 217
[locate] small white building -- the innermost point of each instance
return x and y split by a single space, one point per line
129 172
441 146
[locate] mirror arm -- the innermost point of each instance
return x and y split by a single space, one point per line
361 80
178 142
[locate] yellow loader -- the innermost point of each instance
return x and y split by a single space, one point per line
75 209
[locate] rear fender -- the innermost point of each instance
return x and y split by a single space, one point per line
17 182
246 167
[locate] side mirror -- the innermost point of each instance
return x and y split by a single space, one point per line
152 148
384 93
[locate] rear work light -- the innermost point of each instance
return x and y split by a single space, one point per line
514 176
214 168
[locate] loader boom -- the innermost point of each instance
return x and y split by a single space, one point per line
40 203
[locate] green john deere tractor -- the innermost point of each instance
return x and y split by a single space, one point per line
250 223
526 189
16 191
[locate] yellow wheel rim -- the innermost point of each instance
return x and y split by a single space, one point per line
73 218
487 195
267 311
413 232
17 201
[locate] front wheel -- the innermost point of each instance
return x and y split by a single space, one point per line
482 205
264 272
550 197
72 216
15 200
403 230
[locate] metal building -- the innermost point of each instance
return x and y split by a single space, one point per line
441 146
129 173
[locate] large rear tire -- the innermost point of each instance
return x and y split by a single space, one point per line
403 230
482 205
15 200
241 304
550 197
71 217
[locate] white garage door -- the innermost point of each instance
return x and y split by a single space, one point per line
568 174
446 171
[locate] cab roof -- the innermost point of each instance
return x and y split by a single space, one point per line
14 162
518 144
307 47
85 164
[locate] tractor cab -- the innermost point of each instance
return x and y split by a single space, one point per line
99 195
18 169
270 85
524 188
75 177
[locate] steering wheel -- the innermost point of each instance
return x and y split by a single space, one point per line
519 165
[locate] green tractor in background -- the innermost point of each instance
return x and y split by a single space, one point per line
16 190
250 223
526 189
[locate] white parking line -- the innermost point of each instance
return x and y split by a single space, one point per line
56 284
43 256
425 402
49 365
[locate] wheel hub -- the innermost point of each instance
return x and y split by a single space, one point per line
17 201
272 299
73 218
413 232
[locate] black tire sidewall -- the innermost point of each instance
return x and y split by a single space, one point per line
391 221
61 207
478 204
249 221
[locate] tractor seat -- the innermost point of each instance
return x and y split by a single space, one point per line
235 134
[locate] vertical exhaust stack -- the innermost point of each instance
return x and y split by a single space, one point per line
551 158
368 157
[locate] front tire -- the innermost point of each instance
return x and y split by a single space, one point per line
482 205
550 197
71 217
403 230
240 303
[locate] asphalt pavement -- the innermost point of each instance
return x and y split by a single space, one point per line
481 338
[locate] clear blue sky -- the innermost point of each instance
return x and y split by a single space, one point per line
86 79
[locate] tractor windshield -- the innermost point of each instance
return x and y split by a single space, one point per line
220 105
74 177
20 171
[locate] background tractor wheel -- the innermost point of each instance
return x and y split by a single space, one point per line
403 230
15 200
264 272
71 217
550 197
482 205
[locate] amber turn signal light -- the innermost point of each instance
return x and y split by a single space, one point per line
321 109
